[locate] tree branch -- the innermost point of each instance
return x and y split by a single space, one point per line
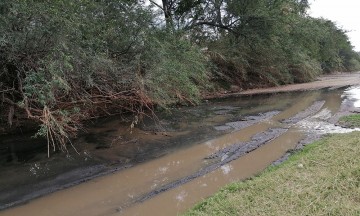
214 25
156 4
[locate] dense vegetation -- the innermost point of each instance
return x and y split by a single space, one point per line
65 61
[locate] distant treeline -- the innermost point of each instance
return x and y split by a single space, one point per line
65 61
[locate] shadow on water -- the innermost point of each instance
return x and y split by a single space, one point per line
162 155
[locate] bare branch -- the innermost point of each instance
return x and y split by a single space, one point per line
156 4
214 25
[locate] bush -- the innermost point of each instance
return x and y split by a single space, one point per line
176 70
65 61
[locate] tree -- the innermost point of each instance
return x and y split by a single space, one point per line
65 61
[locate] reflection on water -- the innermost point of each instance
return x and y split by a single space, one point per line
353 94
226 169
322 127
177 150
181 197
319 123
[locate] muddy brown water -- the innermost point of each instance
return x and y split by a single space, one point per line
170 163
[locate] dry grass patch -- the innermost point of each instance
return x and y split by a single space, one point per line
323 179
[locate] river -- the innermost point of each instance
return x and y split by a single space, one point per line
164 167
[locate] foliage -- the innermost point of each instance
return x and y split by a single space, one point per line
176 70
62 62
66 55
264 42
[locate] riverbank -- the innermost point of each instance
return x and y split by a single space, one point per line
335 80
322 179
207 143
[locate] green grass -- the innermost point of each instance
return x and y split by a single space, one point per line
350 120
322 179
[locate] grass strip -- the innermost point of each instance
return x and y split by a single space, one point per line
351 121
321 179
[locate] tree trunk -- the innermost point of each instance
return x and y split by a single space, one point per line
167 13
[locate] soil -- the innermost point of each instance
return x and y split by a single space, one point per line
336 80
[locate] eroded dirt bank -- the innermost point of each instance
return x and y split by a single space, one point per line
336 80
197 150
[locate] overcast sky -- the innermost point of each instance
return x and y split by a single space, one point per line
346 13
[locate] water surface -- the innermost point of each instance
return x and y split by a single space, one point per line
161 153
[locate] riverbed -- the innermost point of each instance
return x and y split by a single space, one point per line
169 162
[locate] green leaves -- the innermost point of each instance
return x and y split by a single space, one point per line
177 70
56 55
113 55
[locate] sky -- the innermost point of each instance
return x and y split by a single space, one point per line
345 13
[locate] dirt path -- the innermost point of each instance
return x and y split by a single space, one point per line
325 81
